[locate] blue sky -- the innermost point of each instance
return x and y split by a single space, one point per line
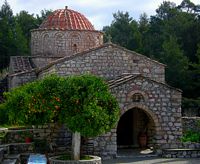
99 12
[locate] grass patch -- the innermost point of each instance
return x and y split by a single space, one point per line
68 157
191 136
65 157
86 157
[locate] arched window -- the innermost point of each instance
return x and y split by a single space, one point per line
75 43
137 97
74 48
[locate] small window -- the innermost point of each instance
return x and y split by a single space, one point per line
74 48
138 97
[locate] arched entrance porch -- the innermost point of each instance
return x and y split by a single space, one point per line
132 123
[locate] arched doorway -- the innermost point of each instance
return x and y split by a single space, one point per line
132 123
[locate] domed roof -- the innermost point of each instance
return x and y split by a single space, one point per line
66 19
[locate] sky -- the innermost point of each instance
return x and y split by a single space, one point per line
99 12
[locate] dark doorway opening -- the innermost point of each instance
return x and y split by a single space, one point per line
131 125
125 130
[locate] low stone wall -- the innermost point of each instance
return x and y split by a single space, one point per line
182 150
181 153
57 138
46 138
18 148
191 123
104 146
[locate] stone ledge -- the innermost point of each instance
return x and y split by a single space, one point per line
181 149
10 161
181 153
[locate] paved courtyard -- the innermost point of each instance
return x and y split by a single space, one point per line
152 160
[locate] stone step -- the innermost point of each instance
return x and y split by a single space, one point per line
13 157
139 153
10 161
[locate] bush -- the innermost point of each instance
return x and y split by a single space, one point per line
191 136
191 107
3 114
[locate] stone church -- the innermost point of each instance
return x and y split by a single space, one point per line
66 43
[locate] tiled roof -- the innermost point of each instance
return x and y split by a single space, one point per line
66 19
20 63
128 77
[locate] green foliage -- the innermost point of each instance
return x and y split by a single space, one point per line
124 31
177 63
83 103
192 105
90 108
68 157
3 114
15 32
191 136
172 36
44 13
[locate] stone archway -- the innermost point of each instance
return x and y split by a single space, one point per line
133 121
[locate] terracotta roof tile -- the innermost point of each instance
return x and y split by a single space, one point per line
66 19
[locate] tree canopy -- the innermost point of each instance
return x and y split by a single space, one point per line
15 32
83 103
171 36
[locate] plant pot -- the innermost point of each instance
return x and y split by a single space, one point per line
28 140
56 160
143 140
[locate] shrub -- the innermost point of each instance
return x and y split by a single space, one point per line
3 114
84 103
191 136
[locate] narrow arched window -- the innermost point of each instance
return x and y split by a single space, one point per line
75 48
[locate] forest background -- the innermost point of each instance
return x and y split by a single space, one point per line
171 36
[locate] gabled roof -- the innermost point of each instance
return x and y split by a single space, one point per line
128 77
96 49
20 63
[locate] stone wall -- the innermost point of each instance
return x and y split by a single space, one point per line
50 137
63 43
108 61
21 78
56 138
160 102
104 145
191 124
42 61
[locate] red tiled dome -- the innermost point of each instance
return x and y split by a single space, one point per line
66 19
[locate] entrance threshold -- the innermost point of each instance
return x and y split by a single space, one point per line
135 152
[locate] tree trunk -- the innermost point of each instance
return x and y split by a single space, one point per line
76 144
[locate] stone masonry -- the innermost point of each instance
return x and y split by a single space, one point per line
63 43
108 61
66 44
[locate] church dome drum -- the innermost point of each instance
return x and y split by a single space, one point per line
64 33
